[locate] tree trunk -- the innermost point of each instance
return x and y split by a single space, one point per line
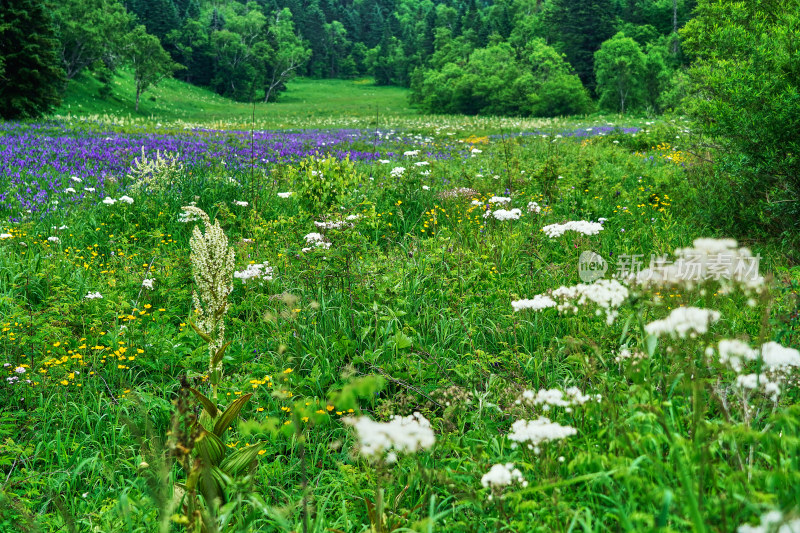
138 93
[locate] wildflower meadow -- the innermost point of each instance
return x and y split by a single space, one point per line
387 324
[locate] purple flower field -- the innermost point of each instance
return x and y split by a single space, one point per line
37 161
51 164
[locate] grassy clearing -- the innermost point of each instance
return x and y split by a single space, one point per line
172 100
406 307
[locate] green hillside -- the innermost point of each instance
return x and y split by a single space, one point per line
176 100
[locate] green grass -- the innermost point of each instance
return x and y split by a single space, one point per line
408 310
304 101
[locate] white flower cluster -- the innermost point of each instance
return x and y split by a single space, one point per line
683 322
397 172
775 361
753 381
504 214
285 194
241 203
54 239
411 153
5 236
772 522
579 226
317 240
502 200
400 434
255 270
148 284
533 207
556 398
502 475
538 431
717 259
539 302
94 296
607 294
124 199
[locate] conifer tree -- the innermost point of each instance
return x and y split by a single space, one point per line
33 77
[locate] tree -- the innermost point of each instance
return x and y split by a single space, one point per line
619 68
33 78
578 28
90 31
289 53
150 62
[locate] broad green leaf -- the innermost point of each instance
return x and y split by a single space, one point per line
207 404
240 459
230 414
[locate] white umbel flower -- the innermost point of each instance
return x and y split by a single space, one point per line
407 434
539 431
502 476
502 200
683 322
578 226
540 301
254 270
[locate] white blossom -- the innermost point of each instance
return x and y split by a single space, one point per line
94 296
499 200
540 301
579 226
400 434
539 431
255 270
126 199
285 194
148 284
109 201
504 214
683 321
502 475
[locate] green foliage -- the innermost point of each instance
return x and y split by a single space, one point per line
149 61
499 81
620 70
577 28
91 33
32 77
322 183
744 88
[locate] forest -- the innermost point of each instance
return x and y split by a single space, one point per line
511 57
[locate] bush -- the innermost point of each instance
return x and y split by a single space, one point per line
745 85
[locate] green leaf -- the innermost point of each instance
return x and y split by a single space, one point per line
651 342
230 414
209 406
218 356
210 448
202 334
240 459
401 341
